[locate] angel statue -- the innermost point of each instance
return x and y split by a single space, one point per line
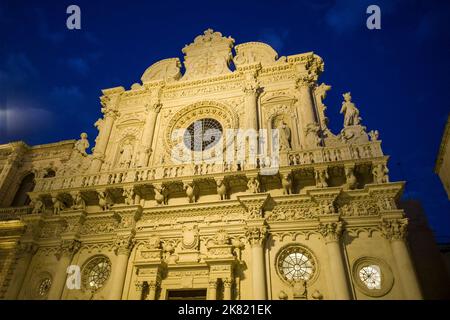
351 113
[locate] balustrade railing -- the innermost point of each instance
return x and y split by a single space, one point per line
302 157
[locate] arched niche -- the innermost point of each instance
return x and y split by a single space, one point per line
26 185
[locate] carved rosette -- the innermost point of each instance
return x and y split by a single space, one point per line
256 235
394 229
331 231
68 248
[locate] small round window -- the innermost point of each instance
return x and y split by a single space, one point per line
96 273
44 287
295 263
202 134
371 276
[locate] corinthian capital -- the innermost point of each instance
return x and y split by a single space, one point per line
251 88
394 229
68 248
331 231
110 112
124 244
153 107
256 235
306 81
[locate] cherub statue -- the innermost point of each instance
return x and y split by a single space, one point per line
82 144
351 113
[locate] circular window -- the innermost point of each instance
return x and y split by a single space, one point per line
44 287
372 276
203 134
41 286
296 263
96 273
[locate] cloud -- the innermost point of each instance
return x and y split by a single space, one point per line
78 65
17 69
21 121
274 38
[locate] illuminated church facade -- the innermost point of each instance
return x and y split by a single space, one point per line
153 214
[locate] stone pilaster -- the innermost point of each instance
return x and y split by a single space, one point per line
395 231
331 232
256 236
153 110
64 255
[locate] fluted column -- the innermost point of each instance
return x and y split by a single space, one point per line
24 254
256 237
227 283
153 110
212 289
251 91
331 233
65 254
395 231
124 244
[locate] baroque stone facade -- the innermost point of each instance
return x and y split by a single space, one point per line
442 167
133 223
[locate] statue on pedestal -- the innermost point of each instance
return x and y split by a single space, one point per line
351 113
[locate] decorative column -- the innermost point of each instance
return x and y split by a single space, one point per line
251 90
395 231
212 289
64 255
105 125
123 246
153 110
24 254
227 283
152 287
331 232
256 237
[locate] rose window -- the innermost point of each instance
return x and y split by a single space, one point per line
203 134
295 263
96 273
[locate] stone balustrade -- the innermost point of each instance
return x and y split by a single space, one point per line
291 158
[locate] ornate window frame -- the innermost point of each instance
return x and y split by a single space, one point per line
387 277
87 268
304 250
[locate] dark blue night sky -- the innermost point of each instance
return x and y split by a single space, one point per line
398 76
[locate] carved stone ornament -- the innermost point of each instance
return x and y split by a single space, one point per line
190 238
256 235
331 231
395 229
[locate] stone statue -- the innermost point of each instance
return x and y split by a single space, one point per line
312 135
351 113
126 155
38 206
78 202
350 177
321 178
286 182
104 200
58 205
285 136
161 194
380 173
82 144
128 193
221 189
253 185
190 192
373 135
